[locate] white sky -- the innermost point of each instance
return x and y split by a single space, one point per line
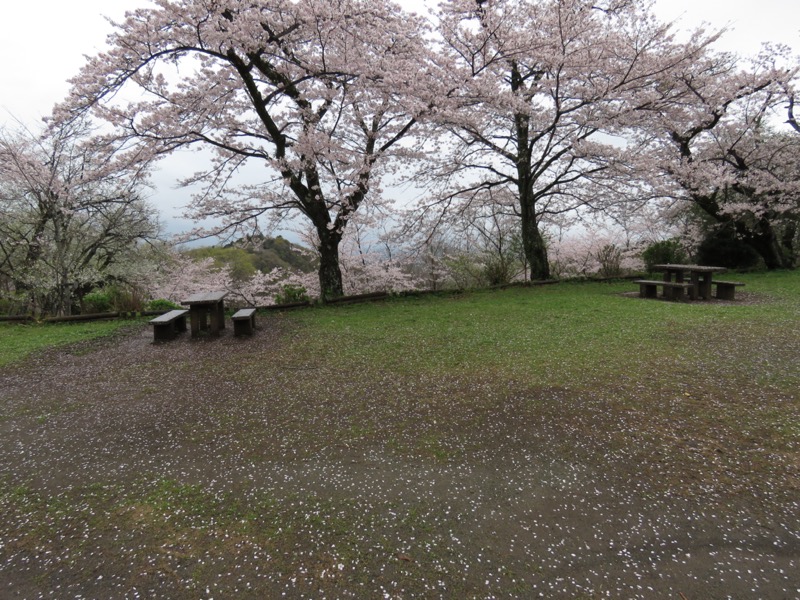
42 44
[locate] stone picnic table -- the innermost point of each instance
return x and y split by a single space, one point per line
206 312
675 285
699 277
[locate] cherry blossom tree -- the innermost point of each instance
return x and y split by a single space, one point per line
72 213
314 93
540 92
708 140
372 262
176 276
790 91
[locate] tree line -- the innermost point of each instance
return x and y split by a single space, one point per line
511 119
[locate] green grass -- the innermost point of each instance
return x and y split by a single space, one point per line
17 341
573 334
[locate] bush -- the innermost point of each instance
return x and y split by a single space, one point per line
13 304
664 252
162 305
111 298
496 270
721 249
292 293
96 301
610 259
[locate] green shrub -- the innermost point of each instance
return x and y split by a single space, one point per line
664 252
292 293
162 305
496 270
465 272
97 301
13 304
610 259
125 298
721 249
111 298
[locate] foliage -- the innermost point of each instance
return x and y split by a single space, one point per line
239 263
610 259
465 271
19 342
72 214
705 139
162 305
278 252
721 249
532 85
97 301
291 293
178 276
13 304
596 251
317 96
115 297
664 252
244 257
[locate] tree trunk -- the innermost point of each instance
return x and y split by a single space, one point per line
791 243
533 242
764 241
330 274
762 238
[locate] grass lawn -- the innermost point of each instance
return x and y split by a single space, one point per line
19 340
558 441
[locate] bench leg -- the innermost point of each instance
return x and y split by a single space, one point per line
243 327
725 292
678 294
648 290
163 332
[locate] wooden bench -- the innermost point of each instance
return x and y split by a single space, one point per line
673 290
244 321
726 290
169 325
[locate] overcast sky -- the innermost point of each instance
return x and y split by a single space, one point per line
42 44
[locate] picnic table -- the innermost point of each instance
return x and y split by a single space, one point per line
674 283
699 277
206 312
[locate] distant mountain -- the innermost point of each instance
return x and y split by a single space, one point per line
277 251
258 253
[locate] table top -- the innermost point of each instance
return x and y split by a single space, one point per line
205 298
694 268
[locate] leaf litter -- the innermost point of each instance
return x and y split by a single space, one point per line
250 469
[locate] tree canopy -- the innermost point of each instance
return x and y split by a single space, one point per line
72 213
314 91
514 116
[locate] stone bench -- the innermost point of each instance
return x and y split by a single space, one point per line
244 321
726 290
169 325
673 290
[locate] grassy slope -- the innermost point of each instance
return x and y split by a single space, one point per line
20 340
573 335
